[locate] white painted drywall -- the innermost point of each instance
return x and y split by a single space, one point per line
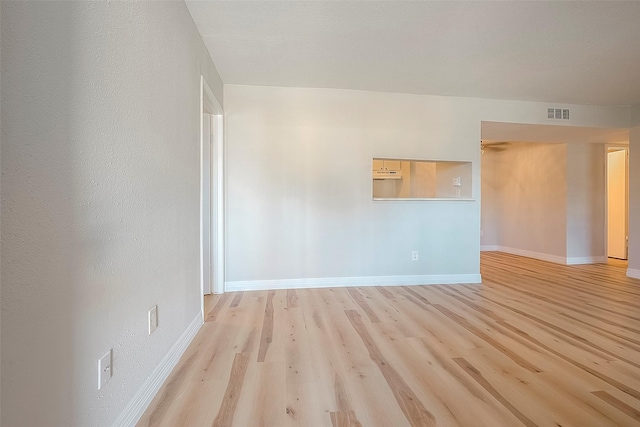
446 173
0 220
533 198
545 200
585 201
635 116
299 182
491 209
634 193
634 200
299 201
100 200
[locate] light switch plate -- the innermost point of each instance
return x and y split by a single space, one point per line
153 319
104 370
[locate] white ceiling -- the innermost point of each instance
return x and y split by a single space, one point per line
566 52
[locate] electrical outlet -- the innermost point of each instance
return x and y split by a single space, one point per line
153 319
414 256
481 233
457 192
104 369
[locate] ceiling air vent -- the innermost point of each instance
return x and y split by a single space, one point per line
557 113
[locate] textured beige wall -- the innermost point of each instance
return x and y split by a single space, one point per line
100 200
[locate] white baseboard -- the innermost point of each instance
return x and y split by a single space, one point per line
336 282
490 248
586 260
633 273
141 400
530 254
548 257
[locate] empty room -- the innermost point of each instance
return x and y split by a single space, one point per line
319 213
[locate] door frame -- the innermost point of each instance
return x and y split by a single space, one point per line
607 148
210 105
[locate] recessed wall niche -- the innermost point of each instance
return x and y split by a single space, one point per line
407 179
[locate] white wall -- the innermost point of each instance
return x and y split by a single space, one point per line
491 183
446 173
545 200
635 116
634 193
0 222
100 200
586 202
634 203
529 188
299 185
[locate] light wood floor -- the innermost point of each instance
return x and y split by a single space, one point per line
535 344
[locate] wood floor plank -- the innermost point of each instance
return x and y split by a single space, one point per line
413 409
267 328
232 395
536 343
618 404
480 379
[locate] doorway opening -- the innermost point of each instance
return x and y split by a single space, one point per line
617 202
211 194
544 191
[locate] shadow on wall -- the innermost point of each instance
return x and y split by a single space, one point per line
524 198
40 241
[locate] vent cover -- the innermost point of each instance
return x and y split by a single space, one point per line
557 113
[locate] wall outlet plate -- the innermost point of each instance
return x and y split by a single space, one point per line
153 319
414 256
104 369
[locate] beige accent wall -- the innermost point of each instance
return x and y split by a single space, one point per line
586 202
634 202
546 200
532 198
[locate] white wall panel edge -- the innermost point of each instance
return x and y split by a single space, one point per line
633 273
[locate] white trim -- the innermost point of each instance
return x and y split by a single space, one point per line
633 273
530 254
489 248
586 260
211 103
219 270
547 257
141 400
336 282
210 100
